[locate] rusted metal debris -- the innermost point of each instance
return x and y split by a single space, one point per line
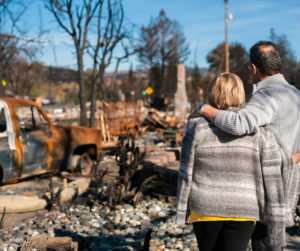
32 145
116 118
129 158
99 176
153 120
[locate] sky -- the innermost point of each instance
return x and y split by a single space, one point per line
201 20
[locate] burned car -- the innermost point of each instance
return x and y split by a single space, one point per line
30 144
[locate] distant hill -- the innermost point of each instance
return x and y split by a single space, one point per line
55 74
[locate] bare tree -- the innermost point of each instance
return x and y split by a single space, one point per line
109 36
79 18
22 75
14 37
103 18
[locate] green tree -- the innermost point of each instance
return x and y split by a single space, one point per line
196 78
238 63
290 67
162 43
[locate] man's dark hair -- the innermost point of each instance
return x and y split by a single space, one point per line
265 56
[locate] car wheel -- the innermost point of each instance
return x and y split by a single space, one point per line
81 164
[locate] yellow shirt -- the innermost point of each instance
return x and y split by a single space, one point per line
201 217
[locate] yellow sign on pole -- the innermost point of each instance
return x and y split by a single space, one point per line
149 90
3 82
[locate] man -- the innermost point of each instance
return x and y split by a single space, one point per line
275 104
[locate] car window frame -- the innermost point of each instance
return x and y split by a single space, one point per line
31 107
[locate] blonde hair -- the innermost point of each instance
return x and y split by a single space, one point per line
226 90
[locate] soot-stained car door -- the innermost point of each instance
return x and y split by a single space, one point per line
34 141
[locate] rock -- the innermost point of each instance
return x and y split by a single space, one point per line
163 226
125 226
104 248
132 222
178 231
161 214
85 223
61 215
17 241
152 215
104 231
46 226
154 228
87 217
160 233
118 207
179 246
20 236
29 231
96 225
129 240
117 248
151 210
125 219
64 220
157 208
51 232
170 231
35 233
190 244
127 206
93 246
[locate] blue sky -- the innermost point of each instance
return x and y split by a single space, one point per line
201 20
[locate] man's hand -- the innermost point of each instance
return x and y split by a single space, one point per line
194 114
296 156
207 111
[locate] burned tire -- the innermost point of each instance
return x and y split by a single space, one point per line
81 164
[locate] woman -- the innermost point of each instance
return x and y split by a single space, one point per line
233 181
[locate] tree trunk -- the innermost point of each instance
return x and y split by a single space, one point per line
163 78
113 81
82 98
104 93
94 96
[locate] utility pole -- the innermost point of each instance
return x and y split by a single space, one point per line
226 36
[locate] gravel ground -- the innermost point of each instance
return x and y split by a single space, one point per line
89 221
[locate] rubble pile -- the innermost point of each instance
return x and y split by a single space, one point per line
154 119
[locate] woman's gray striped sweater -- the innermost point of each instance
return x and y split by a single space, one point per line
237 176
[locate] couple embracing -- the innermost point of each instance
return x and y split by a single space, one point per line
238 169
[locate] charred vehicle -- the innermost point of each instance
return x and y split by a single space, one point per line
30 144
